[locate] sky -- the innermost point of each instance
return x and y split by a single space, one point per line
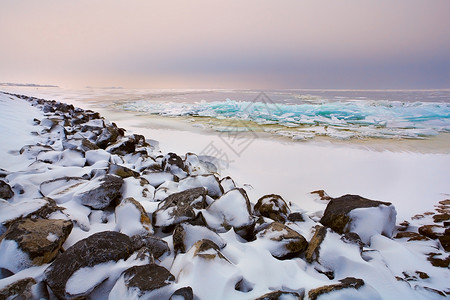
346 44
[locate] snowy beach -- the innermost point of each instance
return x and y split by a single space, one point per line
282 245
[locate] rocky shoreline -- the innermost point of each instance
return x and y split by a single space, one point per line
100 213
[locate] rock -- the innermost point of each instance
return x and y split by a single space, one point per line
349 282
180 207
322 194
431 231
272 207
193 165
158 178
98 248
296 217
352 238
107 137
100 192
352 213
282 241
171 161
131 218
5 190
412 236
445 240
123 147
20 289
227 184
143 282
185 293
210 182
155 246
87 145
312 252
441 217
232 210
280 295
39 239
437 260
186 235
122 171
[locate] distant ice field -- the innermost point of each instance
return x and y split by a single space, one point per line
305 114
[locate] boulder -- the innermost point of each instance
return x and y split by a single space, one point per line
39 240
100 191
346 283
96 249
282 241
5 190
154 246
312 252
231 210
180 207
132 219
20 289
107 137
121 171
279 295
186 235
143 282
272 207
172 161
210 182
352 213
185 293
123 147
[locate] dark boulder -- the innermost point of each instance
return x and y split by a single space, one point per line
100 192
278 295
5 190
96 249
170 160
144 282
185 293
272 207
180 207
342 215
122 171
155 246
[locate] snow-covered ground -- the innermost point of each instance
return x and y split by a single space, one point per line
414 182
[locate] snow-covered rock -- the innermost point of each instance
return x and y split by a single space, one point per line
180 207
210 182
97 249
30 242
231 210
281 241
99 192
143 282
352 213
186 235
132 219
273 207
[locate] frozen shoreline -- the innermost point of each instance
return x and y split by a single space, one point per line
238 268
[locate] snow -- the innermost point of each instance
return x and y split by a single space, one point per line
16 126
369 221
52 237
230 209
128 220
12 258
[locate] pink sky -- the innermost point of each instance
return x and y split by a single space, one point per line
227 44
